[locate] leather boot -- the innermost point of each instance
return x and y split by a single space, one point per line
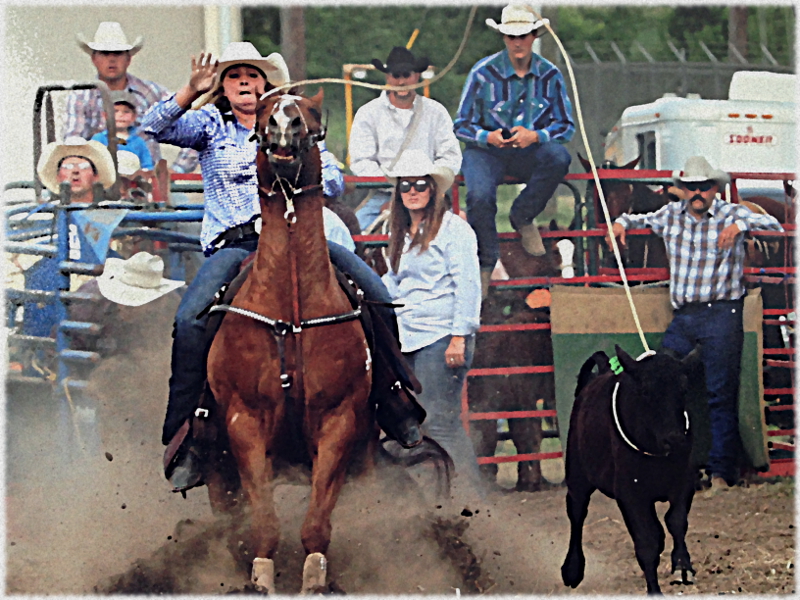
532 240
486 277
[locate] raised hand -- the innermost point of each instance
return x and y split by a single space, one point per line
204 73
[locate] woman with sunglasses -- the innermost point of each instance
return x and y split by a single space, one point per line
434 275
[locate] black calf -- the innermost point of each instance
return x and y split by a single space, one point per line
629 437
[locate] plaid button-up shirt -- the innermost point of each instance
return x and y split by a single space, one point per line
85 117
494 97
227 160
701 271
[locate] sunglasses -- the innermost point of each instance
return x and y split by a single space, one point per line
420 185
700 186
401 74
71 166
518 37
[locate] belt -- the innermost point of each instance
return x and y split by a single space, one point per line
240 233
693 307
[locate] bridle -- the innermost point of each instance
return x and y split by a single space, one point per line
283 187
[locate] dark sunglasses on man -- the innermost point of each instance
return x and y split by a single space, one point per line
420 185
401 74
700 186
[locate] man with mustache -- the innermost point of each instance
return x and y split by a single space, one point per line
704 238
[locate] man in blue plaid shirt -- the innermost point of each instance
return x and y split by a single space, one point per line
514 118
704 238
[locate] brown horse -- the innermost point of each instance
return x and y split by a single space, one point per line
284 385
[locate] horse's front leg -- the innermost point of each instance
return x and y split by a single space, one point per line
334 443
647 533
677 520
251 434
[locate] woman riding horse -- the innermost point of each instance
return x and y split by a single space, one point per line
222 132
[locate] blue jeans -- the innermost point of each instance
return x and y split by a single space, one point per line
370 211
543 166
188 346
441 398
718 328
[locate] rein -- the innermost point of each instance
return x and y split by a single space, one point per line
622 433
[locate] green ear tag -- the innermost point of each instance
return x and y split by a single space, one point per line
615 366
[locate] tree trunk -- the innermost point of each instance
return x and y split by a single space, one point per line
293 41
737 32
550 49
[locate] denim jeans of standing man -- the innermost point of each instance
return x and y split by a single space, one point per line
541 165
188 346
719 329
441 398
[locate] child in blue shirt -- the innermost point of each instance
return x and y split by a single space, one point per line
127 137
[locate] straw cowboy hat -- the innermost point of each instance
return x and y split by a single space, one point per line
415 163
244 53
697 169
135 281
401 59
517 19
109 37
75 146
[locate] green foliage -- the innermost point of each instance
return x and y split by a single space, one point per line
339 35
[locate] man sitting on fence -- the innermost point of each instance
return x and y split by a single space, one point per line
514 118
397 121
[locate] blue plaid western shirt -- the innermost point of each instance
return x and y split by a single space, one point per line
700 271
85 117
227 160
494 97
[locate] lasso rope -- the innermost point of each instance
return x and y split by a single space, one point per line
388 88
606 214
441 74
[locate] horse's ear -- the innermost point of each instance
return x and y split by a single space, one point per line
586 166
553 225
628 363
317 99
632 164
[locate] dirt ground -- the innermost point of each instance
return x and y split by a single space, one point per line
107 523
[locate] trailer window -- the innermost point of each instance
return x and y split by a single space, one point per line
647 149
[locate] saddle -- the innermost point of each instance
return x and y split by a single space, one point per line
393 381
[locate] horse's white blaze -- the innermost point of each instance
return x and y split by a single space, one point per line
284 121
567 251
264 574
315 571
234 417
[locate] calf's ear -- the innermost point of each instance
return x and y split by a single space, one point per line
692 364
628 363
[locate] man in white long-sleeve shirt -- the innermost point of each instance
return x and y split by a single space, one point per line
381 126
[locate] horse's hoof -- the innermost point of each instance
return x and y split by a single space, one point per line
315 571
263 576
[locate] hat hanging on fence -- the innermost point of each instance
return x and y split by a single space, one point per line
109 37
415 163
400 60
92 150
517 19
244 53
135 281
697 169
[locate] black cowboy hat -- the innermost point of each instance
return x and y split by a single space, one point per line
400 59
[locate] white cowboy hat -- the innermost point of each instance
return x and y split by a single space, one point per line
415 163
127 163
135 281
93 150
109 37
697 169
244 53
517 19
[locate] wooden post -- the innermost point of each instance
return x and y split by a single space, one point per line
737 32
293 41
